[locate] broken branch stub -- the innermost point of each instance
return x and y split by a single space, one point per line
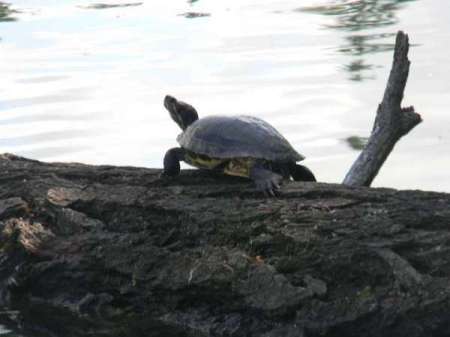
391 122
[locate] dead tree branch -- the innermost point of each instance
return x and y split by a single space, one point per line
391 123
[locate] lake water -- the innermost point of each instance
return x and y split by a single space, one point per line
84 80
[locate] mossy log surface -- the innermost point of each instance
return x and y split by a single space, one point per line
117 251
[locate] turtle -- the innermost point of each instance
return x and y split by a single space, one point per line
244 146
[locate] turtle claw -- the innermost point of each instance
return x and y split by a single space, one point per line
268 190
271 193
266 181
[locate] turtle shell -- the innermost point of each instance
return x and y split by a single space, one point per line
237 137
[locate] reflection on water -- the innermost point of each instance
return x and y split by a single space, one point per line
106 6
63 96
193 15
6 12
363 44
357 68
358 45
45 136
355 17
356 142
53 151
3 330
361 14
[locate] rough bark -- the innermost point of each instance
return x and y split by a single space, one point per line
118 251
391 123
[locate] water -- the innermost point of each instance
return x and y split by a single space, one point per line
84 80
5 332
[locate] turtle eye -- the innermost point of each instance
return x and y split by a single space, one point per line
169 101
182 113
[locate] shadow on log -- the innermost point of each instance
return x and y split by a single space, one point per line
117 251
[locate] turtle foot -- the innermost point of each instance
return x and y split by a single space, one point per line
301 173
266 181
172 162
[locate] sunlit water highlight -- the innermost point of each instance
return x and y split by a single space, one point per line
84 81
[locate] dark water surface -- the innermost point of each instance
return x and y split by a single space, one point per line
84 80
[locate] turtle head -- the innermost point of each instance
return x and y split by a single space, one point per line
182 113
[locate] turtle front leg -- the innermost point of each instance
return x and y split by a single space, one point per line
265 180
172 161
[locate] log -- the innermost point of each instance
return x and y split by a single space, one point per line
391 123
119 251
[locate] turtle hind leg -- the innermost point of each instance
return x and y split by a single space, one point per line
282 169
301 173
172 161
265 180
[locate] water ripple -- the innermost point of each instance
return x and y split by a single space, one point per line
69 95
50 136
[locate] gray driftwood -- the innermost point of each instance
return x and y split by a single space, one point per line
391 122
117 251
